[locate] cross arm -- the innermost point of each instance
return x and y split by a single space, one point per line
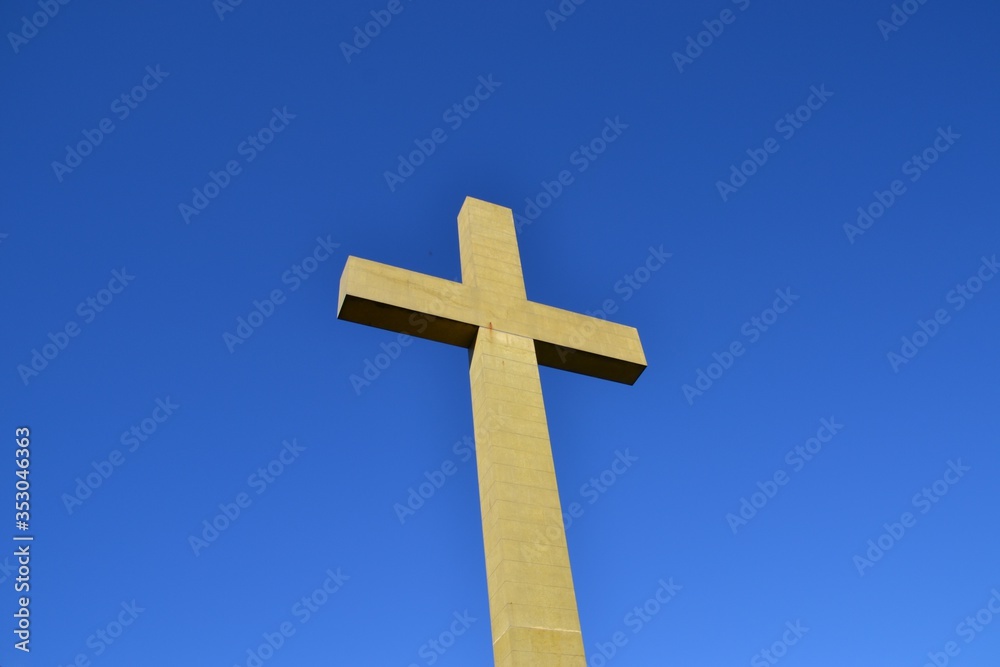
406 302
584 344
448 312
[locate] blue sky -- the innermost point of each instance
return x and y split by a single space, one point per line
805 472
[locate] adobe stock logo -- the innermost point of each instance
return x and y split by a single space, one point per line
38 20
373 368
259 481
796 458
898 18
914 168
562 12
582 158
381 18
924 500
104 637
105 468
122 106
629 284
264 309
548 534
87 310
454 116
787 126
779 648
926 330
433 480
432 650
303 610
380 362
753 329
635 620
968 629
249 148
222 7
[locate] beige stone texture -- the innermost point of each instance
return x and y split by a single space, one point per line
491 295
533 612
529 588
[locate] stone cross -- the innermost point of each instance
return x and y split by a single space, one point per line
533 609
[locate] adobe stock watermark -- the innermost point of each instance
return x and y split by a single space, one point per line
714 28
87 310
7 569
914 168
371 370
627 286
796 459
463 449
900 14
133 438
581 158
303 611
455 116
432 650
786 126
926 330
105 636
373 367
223 7
31 25
753 329
562 12
635 620
294 277
364 34
592 490
968 629
258 482
122 107
924 501
779 648
249 149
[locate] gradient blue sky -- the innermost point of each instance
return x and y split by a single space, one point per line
321 182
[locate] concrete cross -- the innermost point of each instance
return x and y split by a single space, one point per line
533 609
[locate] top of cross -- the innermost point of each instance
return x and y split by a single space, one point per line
491 295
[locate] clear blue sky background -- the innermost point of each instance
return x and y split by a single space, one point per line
697 456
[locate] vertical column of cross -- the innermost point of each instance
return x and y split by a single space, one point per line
488 244
533 609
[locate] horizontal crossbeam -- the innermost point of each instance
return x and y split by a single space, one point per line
448 312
